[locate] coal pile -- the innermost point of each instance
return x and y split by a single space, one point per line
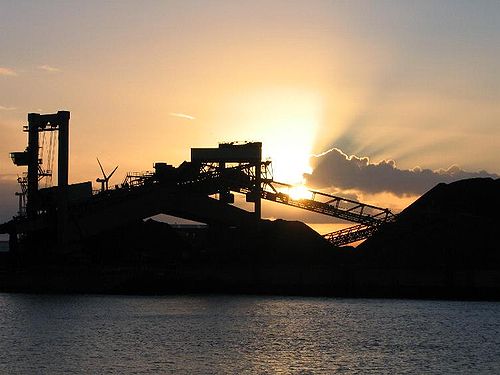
453 226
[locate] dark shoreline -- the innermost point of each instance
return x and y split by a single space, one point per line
443 246
292 281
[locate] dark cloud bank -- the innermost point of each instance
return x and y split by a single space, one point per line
334 168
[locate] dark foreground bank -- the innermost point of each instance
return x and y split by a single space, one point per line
442 246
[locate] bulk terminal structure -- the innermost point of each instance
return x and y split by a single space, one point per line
59 218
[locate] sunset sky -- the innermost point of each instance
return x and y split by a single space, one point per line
377 100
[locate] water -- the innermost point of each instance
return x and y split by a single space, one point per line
245 335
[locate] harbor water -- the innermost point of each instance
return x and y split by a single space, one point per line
212 334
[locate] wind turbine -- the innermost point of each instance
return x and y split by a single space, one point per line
104 181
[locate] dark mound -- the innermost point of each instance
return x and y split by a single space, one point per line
152 257
453 226
270 242
141 242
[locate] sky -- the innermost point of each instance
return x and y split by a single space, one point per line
374 100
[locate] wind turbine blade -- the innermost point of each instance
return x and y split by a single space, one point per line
102 169
111 174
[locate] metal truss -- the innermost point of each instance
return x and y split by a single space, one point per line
330 205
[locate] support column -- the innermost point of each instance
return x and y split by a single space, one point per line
63 149
258 182
258 191
32 203
62 179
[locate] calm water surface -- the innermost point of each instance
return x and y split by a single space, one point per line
245 334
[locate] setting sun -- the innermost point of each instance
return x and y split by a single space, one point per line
286 120
299 192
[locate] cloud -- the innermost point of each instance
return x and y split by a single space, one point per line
7 71
49 68
182 115
334 168
3 108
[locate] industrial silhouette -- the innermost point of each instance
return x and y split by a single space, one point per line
74 213
98 241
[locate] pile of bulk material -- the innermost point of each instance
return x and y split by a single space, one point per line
453 225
